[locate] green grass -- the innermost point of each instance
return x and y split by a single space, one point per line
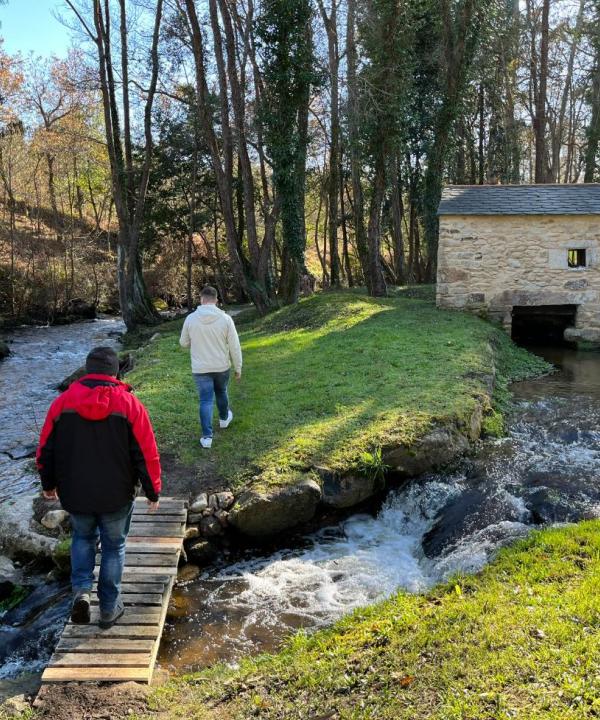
519 640
330 379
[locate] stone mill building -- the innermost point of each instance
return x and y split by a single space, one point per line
527 256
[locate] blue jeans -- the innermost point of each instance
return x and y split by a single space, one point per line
112 529
211 386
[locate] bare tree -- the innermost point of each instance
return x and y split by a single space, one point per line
129 179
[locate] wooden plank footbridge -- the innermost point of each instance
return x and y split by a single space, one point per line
128 650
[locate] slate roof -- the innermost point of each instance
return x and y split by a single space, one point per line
581 199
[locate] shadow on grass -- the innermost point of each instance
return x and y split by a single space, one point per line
323 382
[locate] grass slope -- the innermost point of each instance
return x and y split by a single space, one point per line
327 380
519 640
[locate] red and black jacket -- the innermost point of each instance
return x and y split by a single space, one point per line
97 443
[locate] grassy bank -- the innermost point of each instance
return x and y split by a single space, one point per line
325 381
519 640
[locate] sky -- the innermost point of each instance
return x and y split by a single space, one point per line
29 26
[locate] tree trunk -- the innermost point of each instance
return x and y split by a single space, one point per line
330 23
360 234
541 99
558 136
593 131
396 213
190 237
376 282
457 34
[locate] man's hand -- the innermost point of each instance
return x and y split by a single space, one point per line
238 376
152 506
50 494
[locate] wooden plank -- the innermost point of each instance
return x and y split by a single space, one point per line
141 588
168 530
161 626
171 503
148 560
170 516
136 615
135 540
158 519
136 599
97 645
132 576
167 500
139 659
160 574
97 674
133 559
116 631
144 545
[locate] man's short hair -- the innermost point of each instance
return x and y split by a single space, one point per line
208 291
102 361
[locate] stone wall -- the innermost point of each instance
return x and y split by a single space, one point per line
488 264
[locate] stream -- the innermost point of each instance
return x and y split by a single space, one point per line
41 357
544 471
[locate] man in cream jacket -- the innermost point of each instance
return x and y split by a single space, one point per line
214 347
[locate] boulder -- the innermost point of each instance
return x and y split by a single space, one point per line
53 519
10 576
70 379
191 532
346 491
4 350
210 526
199 504
126 363
194 517
437 448
201 551
465 514
260 513
225 499
549 506
18 534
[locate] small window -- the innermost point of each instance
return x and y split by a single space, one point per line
577 258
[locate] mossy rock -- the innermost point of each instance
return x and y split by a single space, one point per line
261 513
62 556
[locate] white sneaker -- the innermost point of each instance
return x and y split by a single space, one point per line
206 443
226 423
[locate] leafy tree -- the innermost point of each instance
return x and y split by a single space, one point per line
284 31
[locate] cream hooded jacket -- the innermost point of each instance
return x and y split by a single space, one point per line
213 340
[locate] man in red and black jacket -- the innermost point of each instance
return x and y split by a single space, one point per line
97 443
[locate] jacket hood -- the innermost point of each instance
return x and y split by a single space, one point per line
209 314
96 403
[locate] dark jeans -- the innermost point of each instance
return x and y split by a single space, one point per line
211 386
112 529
